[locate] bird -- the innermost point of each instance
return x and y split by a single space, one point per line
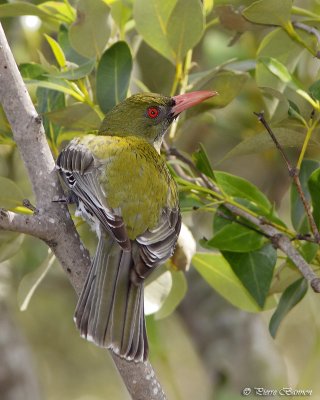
123 189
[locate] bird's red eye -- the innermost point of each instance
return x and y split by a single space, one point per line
153 112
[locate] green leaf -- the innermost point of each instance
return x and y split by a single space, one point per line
262 142
227 83
70 53
120 13
202 161
255 270
278 69
298 214
151 17
78 116
90 32
10 244
308 250
290 298
56 84
57 51
175 296
74 73
20 8
314 90
236 238
32 70
63 11
218 273
269 12
238 187
166 25
49 100
185 27
314 189
208 6
278 45
280 112
11 195
31 281
113 76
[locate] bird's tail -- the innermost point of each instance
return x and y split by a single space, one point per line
110 310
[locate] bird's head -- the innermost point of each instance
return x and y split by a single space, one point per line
149 115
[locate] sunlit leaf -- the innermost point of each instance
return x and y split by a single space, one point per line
290 298
63 11
279 70
208 6
175 296
57 51
113 75
255 270
56 84
90 32
218 273
31 281
269 12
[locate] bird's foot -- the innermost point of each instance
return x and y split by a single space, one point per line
68 198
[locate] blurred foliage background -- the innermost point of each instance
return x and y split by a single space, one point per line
204 342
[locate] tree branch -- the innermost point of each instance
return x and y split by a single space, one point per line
52 222
277 238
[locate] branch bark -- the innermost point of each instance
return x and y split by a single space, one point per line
277 238
52 222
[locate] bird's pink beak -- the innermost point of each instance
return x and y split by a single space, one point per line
187 100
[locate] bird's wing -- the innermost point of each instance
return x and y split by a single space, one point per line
157 245
77 168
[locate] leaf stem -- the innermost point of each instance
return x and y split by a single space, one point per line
305 143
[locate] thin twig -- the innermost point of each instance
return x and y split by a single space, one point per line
278 239
294 174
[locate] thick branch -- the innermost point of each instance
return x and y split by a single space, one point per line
52 223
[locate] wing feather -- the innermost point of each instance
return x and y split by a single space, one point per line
80 172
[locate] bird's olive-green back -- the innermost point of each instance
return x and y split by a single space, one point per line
135 179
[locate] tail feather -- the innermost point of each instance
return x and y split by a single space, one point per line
110 310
